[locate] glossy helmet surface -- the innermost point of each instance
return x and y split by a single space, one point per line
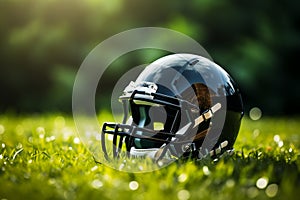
181 105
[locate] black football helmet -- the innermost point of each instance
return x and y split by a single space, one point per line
181 105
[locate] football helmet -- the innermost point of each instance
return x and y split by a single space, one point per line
180 106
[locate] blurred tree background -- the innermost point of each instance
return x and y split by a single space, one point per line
43 43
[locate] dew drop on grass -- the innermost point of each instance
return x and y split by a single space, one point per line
41 136
141 168
280 143
182 177
206 170
121 167
1 156
276 138
76 140
94 168
40 130
133 185
50 139
262 182
19 146
3 145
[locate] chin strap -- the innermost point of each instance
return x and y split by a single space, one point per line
207 115
216 152
184 133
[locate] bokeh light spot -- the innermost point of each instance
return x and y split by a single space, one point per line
76 140
96 184
256 133
206 170
183 195
182 178
59 121
252 192
255 113
2 129
272 190
133 185
262 182
276 138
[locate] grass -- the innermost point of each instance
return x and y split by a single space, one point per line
42 158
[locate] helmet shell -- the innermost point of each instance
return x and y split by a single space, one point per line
202 82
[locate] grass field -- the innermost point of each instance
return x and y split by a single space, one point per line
41 157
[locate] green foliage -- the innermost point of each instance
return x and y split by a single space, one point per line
255 41
41 157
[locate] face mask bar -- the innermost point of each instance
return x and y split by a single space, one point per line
129 132
156 98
